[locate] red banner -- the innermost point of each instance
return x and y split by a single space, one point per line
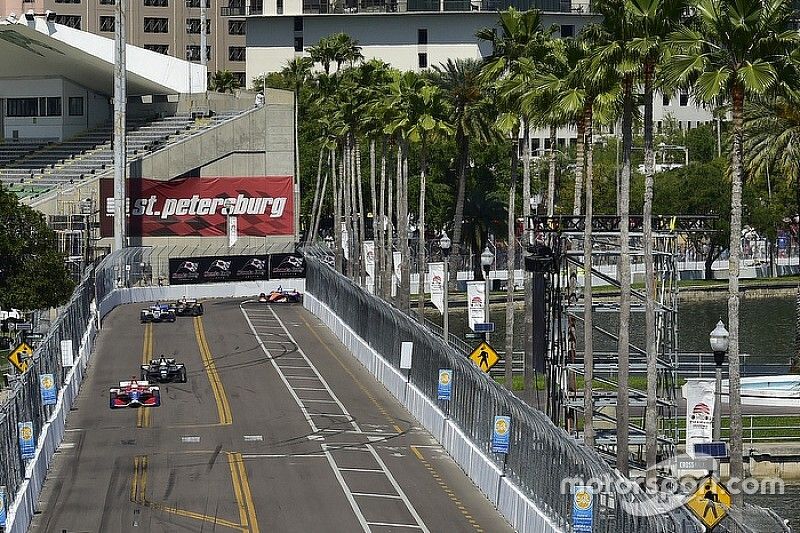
191 207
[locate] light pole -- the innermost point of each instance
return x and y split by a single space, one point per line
487 258
444 244
719 345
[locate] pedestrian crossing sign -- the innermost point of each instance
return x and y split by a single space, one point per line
710 502
19 357
484 356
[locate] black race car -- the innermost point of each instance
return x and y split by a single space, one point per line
186 307
164 370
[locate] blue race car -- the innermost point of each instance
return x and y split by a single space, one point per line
158 313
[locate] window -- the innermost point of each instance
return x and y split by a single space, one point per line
159 48
279 7
422 60
298 44
236 53
567 30
76 106
108 2
240 79
659 126
298 24
106 23
73 21
156 3
237 27
684 100
665 100
193 26
193 53
45 106
688 124
68 1
22 107
196 3
156 25
422 36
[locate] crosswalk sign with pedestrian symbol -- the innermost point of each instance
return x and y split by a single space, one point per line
19 357
710 502
484 356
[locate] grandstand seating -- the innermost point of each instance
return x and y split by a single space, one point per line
36 167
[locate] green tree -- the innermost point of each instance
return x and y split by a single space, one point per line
736 51
223 81
32 271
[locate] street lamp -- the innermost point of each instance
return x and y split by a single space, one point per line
487 258
719 345
444 244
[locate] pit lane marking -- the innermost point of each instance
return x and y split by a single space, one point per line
223 407
244 497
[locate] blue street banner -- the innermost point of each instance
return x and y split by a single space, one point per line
27 444
2 507
47 386
445 389
582 509
501 434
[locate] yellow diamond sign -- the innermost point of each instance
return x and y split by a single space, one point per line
484 356
19 357
710 502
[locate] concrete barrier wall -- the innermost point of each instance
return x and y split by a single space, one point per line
519 510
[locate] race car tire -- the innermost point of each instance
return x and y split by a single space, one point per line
182 375
199 309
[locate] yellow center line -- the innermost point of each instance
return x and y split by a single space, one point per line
198 516
142 414
135 480
248 496
237 489
223 407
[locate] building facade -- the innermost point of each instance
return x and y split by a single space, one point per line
170 27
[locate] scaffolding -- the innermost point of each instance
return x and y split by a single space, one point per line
564 321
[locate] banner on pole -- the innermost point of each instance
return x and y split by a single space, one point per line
27 444
699 395
436 282
369 258
475 303
397 259
47 387
233 230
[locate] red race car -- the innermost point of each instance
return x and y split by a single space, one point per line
134 394
281 295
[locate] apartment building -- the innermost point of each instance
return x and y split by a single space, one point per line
170 27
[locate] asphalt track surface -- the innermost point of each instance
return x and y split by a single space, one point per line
278 429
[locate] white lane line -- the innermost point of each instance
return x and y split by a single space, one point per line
297 367
73 429
341 415
390 524
253 438
318 401
190 439
347 492
303 377
308 388
66 445
281 455
373 470
374 495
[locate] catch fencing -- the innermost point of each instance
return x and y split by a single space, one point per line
542 457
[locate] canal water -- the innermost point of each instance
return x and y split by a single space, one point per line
767 333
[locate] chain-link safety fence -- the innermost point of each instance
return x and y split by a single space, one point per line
23 402
543 461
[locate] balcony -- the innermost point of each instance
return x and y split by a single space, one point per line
393 6
233 11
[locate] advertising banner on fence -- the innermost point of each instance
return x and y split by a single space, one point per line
2 507
397 258
582 509
285 266
183 270
501 434
47 387
699 395
369 258
445 389
200 207
475 295
67 355
27 444
436 281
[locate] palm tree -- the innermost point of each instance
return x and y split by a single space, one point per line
223 81
653 21
736 51
613 36
773 137
471 118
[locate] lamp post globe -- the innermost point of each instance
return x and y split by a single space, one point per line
719 345
487 258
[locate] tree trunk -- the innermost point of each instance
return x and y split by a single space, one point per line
651 413
576 203
529 369
735 403
462 144
624 272
551 175
512 246
388 258
348 206
337 221
377 221
421 263
402 227
362 217
312 233
318 214
588 323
